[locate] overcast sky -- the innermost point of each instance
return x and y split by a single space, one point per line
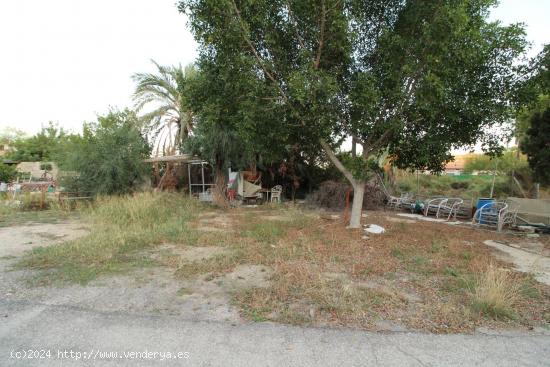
67 60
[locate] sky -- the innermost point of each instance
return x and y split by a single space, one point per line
68 60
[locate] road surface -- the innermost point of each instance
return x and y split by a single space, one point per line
70 336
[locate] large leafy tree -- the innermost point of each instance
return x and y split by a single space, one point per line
228 103
537 92
536 145
414 77
163 96
533 127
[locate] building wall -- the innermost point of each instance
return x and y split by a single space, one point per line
35 171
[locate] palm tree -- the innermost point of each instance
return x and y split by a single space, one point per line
171 120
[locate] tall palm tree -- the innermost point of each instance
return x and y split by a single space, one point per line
169 118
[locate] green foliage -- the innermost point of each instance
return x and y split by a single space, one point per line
44 146
171 119
416 77
7 172
509 161
360 168
465 186
537 146
8 135
108 157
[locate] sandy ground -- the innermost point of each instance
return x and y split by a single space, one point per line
15 240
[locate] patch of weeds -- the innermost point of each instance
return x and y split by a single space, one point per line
454 282
397 253
437 245
366 271
209 277
15 217
183 292
7 257
450 271
529 289
213 266
73 273
270 231
466 256
265 232
121 228
419 264
253 304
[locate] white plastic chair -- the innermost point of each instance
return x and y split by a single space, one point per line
276 193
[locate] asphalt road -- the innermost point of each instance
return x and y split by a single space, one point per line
82 337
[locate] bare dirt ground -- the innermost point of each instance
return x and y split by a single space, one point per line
15 240
209 295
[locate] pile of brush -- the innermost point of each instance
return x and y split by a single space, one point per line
332 195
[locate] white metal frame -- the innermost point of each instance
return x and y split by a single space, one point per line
494 214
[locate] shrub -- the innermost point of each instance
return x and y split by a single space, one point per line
108 158
7 172
460 185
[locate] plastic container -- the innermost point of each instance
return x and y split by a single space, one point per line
480 203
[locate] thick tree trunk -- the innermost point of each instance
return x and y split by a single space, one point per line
218 194
357 205
358 186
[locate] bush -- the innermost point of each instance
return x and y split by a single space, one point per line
460 185
108 158
7 172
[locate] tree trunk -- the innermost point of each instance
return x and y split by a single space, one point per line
218 194
357 204
358 186
353 147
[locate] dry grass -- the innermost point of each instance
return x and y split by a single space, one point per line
496 291
121 228
426 276
420 274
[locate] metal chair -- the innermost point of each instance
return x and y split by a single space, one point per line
395 202
495 214
432 206
449 208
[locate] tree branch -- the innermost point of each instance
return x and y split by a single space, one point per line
368 148
255 52
334 159
291 15
321 36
